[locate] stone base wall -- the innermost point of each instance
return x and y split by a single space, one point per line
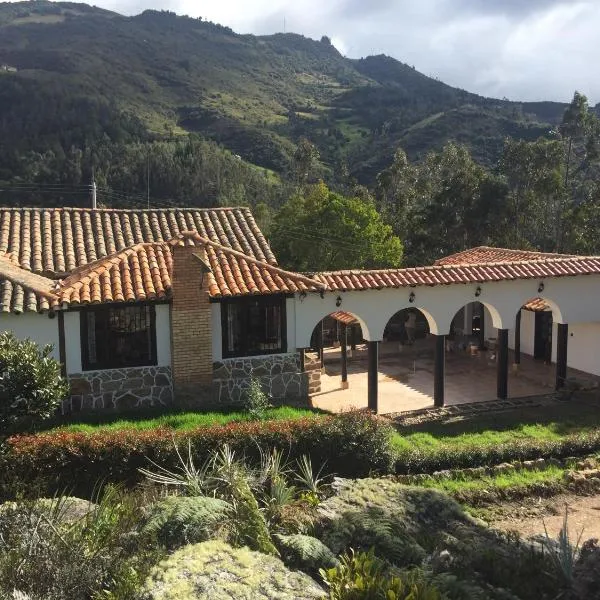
279 375
312 366
119 389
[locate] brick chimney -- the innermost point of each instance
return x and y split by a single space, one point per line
191 327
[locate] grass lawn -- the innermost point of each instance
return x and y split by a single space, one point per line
546 423
174 420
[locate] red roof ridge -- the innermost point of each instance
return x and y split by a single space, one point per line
193 235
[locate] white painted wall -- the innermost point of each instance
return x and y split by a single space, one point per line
583 351
217 342
72 342
163 335
37 327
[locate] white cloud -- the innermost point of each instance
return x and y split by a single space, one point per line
522 49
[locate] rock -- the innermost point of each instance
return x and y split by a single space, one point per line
216 571
505 468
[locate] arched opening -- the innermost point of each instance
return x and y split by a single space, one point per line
336 343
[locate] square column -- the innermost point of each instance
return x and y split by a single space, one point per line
439 372
502 364
518 338
562 338
373 348
344 348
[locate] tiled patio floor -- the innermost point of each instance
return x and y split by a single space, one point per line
406 378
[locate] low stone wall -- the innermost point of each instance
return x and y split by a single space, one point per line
312 366
279 375
119 389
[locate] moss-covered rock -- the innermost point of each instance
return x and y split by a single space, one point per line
67 508
216 571
411 526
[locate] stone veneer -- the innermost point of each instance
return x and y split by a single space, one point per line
279 375
119 389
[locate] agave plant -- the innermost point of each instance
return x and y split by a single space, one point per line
194 480
307 478
563 552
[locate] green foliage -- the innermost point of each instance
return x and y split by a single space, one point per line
47 555
563 552
323 230
256 401
31 385
362 576
410 527
352 444
180 520
304 552
218 571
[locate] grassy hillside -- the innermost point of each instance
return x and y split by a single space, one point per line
86 76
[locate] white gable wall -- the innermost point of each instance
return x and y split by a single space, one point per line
37 327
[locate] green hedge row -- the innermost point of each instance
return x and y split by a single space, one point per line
349 445
428 460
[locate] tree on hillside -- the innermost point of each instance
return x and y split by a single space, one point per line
320 230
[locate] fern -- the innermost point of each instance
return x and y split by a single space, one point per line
176 521
305 553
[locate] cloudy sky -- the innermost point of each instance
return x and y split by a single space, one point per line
521 49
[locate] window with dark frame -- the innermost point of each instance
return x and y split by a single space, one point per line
253 326
114 337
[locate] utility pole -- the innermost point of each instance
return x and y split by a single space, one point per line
148 179
94 190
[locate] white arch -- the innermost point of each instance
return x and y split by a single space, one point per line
431 322
301 340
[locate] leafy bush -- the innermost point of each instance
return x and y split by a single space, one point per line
179 520
46 554
304 552
362 576
31 386
351 445
256 401
217 571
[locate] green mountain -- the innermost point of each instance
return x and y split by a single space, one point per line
75 77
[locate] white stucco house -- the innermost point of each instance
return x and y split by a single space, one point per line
148 307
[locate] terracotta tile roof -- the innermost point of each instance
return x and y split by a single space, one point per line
31 289
55 241
487 254
234 274
464 273
344 317
536 305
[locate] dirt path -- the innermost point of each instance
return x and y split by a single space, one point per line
528 518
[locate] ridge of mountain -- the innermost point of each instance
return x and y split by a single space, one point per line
74 75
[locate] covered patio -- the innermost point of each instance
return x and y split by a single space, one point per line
406 378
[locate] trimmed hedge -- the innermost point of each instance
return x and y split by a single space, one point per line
428 460
349 445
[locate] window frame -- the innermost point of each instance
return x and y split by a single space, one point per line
279 300
106 308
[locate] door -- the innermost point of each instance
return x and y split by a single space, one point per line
542 345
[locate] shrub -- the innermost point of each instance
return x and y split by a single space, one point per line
363 576
179 520
351 445
304 552
46 555
31 386
256 401
216 570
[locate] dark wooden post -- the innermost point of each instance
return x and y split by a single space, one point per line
373 348
344 347
321 346
481 326
518 338
353 339
502 364
562 337
439 373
